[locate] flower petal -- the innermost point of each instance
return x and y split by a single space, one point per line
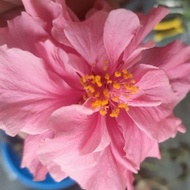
138 145
28 92
66 66
167 57
60 22
23 32
72 125
135 56
47 10
99 5
86 37
174 60
120 28
157 122
98 138
117 145
30 158
107 174
152 82
147 23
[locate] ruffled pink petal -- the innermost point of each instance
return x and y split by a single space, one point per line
107 174
56 172
78 64
59 23
46 10
30 158
23 32
86 37
54 13
157 122
58 33
147 23
98 5
130 180
66 66
98 138
180 80
120 28
138 145
174 60
29 93
167 57
135 56
73 126
152 82
117 146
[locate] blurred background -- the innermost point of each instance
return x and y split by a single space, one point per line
172 172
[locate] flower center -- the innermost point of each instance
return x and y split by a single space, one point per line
109 94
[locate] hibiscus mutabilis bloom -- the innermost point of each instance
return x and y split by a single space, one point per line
93 99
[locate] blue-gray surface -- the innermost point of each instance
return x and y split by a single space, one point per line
7 180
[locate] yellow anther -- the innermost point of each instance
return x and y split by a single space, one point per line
89 94
91 77
83 80
107 76
109 82
127 76
115 112
103 112
115 98
84 97
117 74
105 68
124 71
91 88
104 102
96 103
99 84
127 108
133 81
97 95
123 106
106 93
134 89
130 75
127 86
85 87
98 80
116 85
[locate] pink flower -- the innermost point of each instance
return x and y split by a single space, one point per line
94 100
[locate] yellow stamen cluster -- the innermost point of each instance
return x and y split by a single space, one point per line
106 90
